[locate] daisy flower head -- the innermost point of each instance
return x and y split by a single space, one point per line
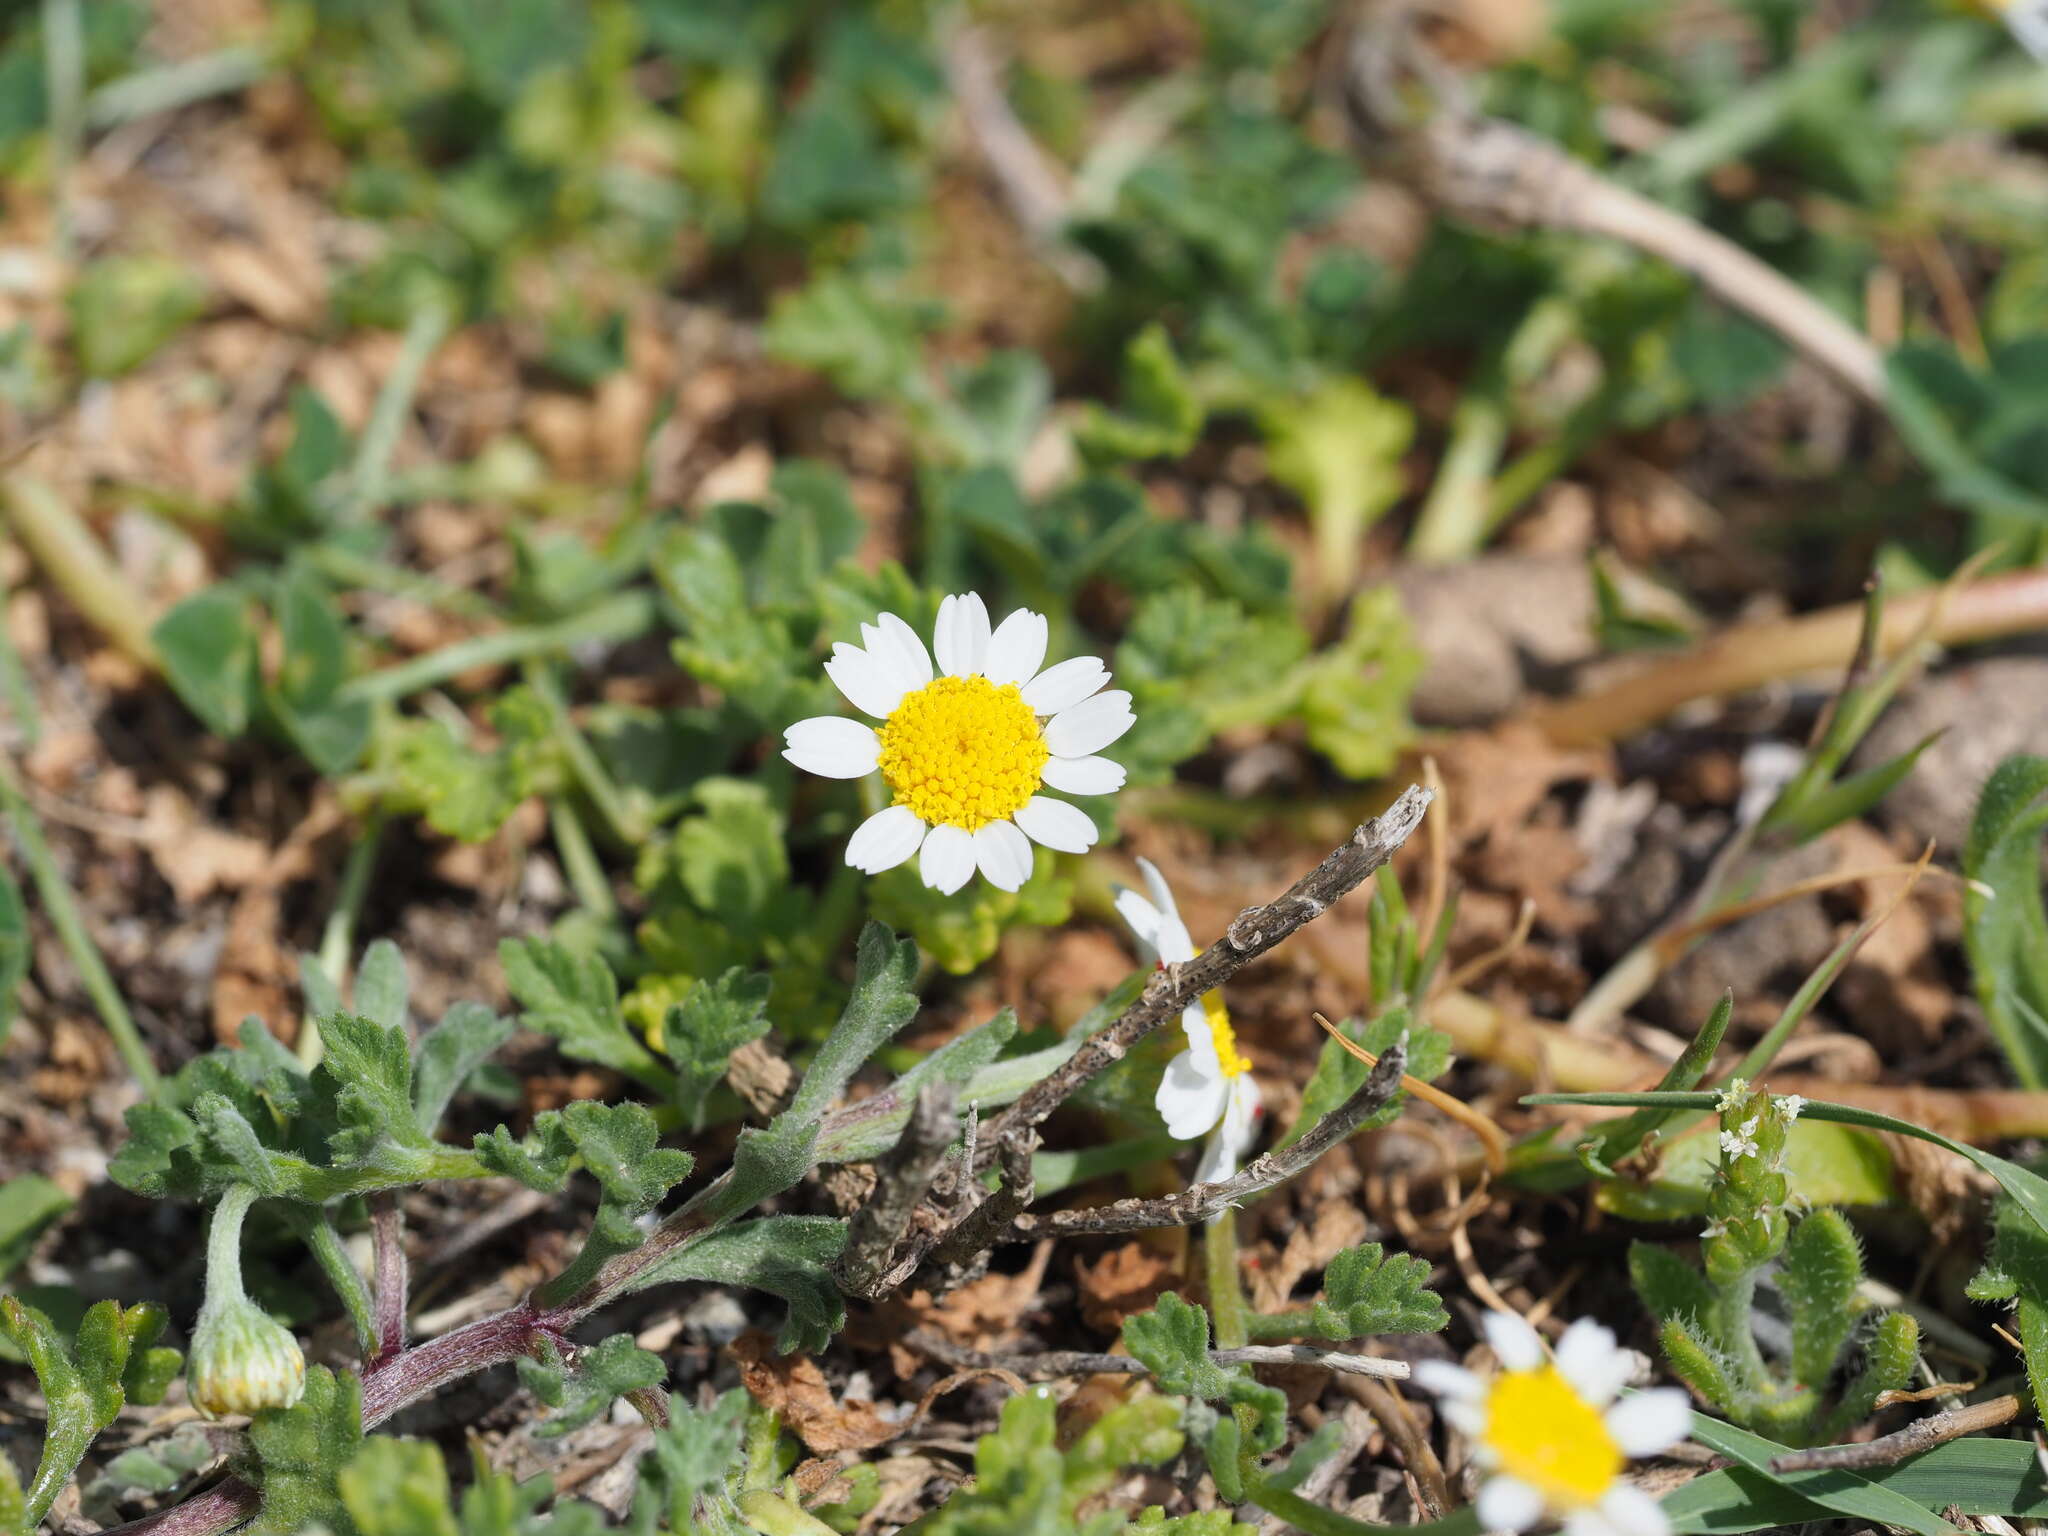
1208 1087
966 747
1551 1435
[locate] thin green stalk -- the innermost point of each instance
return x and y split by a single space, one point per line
224 1241
590 774
64 85
580 862
371 471
14 688
621 617
65 917
1226 1291
773 1515
338 939
1454 521
347 1280
168 87
354 570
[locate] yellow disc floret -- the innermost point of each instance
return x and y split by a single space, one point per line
963 752
1542 1432
1228 1057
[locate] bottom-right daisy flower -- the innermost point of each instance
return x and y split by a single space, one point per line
1551 1436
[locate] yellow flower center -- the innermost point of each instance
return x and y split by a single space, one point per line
1220 1030
1541 1431
963 752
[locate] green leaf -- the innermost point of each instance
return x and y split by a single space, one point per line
1670 1288
1354 696
397 1487
1604 1146
1888 1360
961 931
1339 1074
617 1146
370 1065
208 647
1978 1476
1173 1342
786 1256
1339 448
1367 1291
701 1032
1160 417
82 1379
28 1204
448 1053
733 859
300 1454
2006 932
125 307
466 793
1844 1493
573 997
330 729
601 1374
1823 1266
542 1161
861 336
693 1457
726 640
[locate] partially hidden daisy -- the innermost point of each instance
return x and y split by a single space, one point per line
1207 1089
1550 1434
965 750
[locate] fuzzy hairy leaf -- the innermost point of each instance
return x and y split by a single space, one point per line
1161 415
579 1392
787 1256
689 1460
465 1038
573 998
1368 1291
1822 1268
1173 1342
1669 1287
701 1032
618 1146
2006 932
301 1451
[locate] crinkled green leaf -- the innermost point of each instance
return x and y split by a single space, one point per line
617 1146
448 1053
465 792
1160 416
960 931
573 997
691 1458
1368 1291
579 1393
1354 696
2006 932
371 1066
701 1032
1339 448
301 1452
787 1256
1173 1342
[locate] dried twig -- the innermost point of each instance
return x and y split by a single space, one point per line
1497 175
902 1180
1052 1363
1023 172
1417 1455
1198 1202
1920 1435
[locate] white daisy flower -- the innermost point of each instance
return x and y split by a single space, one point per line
1550 1435
1208 1087
965 750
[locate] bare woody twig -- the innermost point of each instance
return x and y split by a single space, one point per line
902 1180
1495 174
1920 1435
1198 1202
1047 1365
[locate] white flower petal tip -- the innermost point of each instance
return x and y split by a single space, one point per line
1017 648
1508 1504
1003 855
832 747
961 636
1515 1344
1089 726
1592 1362
884 840
1449 1381
1084 775
1061 827
1066 684
1628 1511
870 685
1650 1423
947 860
1190 1100
911 655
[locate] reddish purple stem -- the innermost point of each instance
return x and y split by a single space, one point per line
387 1242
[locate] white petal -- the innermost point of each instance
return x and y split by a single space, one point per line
1515 1344
1589 1359
1003 855
1062 827
891 637
1450 1381
1635 1511
1067 683
948 859
1142 917
1189 1100
1016 648
1469 1420
1234 1133
870 685
1632 1512
961 636
1508 1504
1650 1422
832 746
884 840
1090 725
1589 1522
1172 941
1194 1023
1084 775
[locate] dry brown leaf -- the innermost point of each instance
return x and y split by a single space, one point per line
794 1387
1123 1281
194 857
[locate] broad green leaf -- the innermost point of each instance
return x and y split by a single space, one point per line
1977 1476
330 729
2006 932
573 997
28 1204
1339 448
786 1256
1824 1165
208 647
448 1053
1339 1074
1845 1493
301 1452
701 1032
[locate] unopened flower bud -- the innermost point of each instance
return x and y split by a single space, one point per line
243 1360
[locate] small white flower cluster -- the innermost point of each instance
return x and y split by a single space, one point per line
1741 1143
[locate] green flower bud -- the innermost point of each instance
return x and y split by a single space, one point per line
1746 1226
242 1360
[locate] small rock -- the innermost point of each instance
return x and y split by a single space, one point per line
1489 628
1988 710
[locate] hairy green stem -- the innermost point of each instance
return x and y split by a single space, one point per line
580 862
370 474
1226 1288
224 1242
338 938
332 1257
